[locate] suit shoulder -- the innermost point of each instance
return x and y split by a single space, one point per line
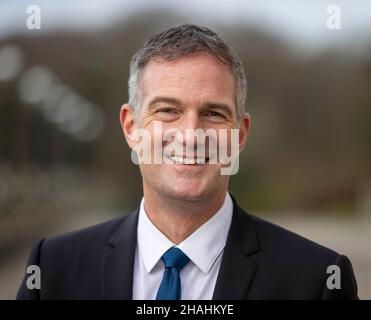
92 236
295 267
288 242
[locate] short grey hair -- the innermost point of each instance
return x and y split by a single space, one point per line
181 41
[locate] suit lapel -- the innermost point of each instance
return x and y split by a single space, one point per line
236 273
118 260
237 269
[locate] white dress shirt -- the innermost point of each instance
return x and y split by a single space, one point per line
204 247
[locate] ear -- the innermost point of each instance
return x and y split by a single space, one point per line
128 124
244 130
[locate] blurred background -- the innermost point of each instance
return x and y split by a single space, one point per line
64 163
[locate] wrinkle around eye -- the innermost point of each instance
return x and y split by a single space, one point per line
167 110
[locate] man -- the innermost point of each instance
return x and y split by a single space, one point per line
188 239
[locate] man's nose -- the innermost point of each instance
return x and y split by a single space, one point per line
190 121
188 125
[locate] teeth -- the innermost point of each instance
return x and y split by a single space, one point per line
189 161
177 160
181 160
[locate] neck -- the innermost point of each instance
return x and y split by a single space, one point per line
177 218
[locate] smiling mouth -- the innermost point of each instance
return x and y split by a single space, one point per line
188 161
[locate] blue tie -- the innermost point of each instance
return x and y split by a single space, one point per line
174 260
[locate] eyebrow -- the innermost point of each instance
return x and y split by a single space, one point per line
168 100
207 105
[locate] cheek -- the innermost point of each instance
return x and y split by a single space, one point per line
155 131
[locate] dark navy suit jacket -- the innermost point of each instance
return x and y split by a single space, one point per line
260 261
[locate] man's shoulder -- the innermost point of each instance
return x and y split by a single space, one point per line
299 265
277 240
94 236
276 232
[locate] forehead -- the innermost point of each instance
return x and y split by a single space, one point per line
192 77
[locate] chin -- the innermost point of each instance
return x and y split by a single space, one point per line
188 193
192 189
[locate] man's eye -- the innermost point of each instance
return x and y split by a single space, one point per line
214 114
167 110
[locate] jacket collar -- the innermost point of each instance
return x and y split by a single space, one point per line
236 273
237 269
118 260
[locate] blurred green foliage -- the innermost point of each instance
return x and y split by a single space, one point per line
309 146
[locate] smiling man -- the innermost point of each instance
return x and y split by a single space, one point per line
188 238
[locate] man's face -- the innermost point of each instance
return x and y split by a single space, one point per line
192 92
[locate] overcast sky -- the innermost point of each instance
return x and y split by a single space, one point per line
303 23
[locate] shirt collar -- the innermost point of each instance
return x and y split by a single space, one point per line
203 246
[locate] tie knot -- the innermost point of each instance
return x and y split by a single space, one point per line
174 258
